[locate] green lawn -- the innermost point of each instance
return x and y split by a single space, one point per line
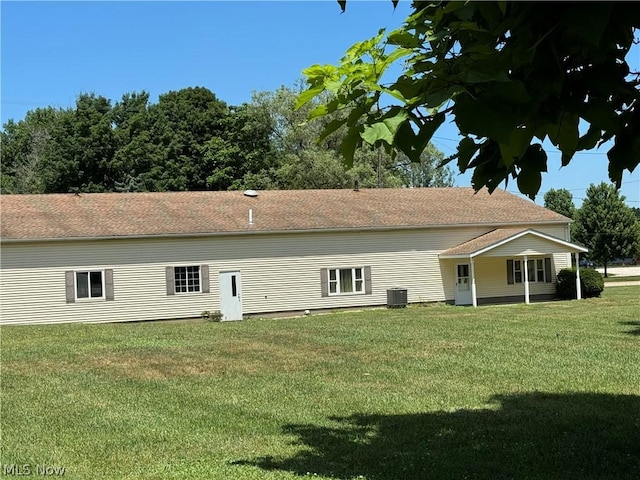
545 391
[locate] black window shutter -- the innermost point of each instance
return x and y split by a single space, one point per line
547 269
510 272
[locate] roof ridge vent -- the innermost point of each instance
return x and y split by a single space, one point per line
250 193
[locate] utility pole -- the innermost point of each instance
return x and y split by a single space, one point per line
379 168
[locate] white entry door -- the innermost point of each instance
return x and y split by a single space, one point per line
463 284
230 298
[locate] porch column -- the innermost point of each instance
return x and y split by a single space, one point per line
474 300
578 286
525 267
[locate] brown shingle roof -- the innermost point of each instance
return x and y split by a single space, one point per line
500 236
483 241
100 215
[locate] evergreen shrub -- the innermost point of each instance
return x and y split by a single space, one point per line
591 282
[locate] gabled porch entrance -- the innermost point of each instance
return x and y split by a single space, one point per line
508 264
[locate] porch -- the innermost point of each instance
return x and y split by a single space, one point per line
508 265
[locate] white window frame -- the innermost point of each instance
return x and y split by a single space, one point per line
540 270
187 280
357 277
89 298
533 273
531 270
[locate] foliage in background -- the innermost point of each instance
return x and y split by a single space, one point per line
307 159
606 226
191 140
560 201
510 74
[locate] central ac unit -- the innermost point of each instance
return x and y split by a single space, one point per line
397 297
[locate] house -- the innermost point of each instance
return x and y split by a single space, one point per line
148 256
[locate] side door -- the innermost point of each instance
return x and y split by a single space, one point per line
230 295
463 284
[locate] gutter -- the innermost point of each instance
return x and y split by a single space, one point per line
270 232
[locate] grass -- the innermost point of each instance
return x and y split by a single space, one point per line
544 391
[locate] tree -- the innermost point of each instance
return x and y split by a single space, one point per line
26 151
606 226
304 158
55 150
508 73
425 173
135 152
204 144
190 140
181 123
560 201
91 144
244 147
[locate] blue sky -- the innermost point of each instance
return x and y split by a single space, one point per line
52 51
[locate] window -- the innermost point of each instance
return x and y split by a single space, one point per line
538 270
517 271
531 270
89 284
187 279
344 281
463 277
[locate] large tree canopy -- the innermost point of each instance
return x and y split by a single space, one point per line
188 140
510 74
191 140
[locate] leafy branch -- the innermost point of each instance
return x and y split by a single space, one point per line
511 74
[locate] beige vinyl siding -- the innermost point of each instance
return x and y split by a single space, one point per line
491 271
491 279
526 245
278 272
491 276
561 259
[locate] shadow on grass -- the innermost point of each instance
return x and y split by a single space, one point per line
634 331
528 436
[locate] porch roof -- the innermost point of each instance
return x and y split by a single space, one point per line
501 236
